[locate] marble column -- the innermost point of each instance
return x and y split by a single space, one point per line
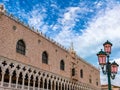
39 84
23 81
58 85
47 83
54 85
2 81
10 77
43 83
17 76
34 83
29 82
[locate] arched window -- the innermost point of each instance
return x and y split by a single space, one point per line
20 47
81 73
90 79
62 65
97 82
45 57
73 71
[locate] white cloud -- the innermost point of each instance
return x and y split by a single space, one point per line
98 4
69 17
36 19
104 26
66 23
70 14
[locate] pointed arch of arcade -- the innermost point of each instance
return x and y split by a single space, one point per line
20 76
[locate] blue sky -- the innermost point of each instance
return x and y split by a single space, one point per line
86 23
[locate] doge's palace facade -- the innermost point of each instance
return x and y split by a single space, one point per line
31 61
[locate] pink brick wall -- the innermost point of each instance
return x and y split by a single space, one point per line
9 38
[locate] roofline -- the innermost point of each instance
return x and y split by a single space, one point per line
44 36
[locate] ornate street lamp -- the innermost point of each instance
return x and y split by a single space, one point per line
114 69
107 68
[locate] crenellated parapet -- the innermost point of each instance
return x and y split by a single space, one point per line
2 10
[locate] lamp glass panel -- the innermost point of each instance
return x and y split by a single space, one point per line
114 68
102 59
107 48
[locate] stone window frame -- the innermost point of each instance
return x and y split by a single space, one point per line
90 79
81 73
62 65
21 47
45 57
73 71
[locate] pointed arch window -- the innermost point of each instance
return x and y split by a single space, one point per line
90 79
73 71
45 57
97 82
20 47
81 73
62 65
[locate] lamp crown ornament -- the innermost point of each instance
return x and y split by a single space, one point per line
101 53
107 47
107 42
101 57
114 67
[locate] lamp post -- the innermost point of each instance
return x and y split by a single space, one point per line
107 67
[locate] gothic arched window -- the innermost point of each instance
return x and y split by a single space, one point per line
20 47
62 65
90 79
45 57
81 73
73 71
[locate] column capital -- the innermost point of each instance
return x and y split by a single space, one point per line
11 72
23 75
3 69
34 79
3 72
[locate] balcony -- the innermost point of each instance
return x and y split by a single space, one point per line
19 87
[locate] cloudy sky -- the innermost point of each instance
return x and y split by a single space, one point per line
86 23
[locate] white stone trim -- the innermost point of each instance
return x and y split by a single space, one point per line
62 82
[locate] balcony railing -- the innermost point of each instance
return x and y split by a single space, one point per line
19 87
